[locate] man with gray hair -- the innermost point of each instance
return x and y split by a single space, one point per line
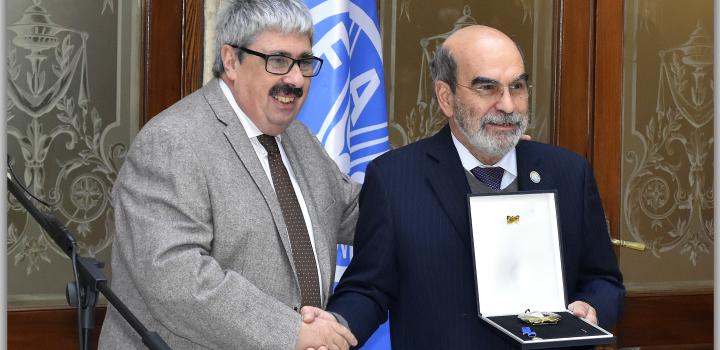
413 255
228 210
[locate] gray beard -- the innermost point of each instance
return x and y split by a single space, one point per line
490 145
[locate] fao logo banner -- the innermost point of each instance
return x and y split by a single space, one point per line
346 105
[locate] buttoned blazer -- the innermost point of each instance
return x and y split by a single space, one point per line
201 253
413 255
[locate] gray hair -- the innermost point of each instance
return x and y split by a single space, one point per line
242 20
444 68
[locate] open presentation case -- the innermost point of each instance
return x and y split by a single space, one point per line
518 267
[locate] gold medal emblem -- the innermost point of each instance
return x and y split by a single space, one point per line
537 318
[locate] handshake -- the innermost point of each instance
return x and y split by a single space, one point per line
319 330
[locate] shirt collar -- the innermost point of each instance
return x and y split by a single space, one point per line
507 162
251 129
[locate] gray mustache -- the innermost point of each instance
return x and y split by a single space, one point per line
502 118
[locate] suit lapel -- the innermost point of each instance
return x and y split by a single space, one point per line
448 182
238 139
531 169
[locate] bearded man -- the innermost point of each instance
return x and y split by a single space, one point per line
412 248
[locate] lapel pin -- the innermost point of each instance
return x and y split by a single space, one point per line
535 176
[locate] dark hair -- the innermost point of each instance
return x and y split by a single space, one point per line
444 68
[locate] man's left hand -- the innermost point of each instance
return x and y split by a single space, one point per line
584 310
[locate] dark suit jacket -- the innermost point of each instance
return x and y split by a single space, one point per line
412 249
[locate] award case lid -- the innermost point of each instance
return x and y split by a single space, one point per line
517 252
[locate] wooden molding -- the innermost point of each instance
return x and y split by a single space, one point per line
607 107
655 321
193 36
163 56
172 47
48 329
667 321
573 80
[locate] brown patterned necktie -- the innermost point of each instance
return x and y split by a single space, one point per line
302 250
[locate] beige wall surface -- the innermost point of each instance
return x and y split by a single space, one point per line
73 100
667 143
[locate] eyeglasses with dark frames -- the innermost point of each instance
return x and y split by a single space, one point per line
281 64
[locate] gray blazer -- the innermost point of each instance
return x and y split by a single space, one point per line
201 253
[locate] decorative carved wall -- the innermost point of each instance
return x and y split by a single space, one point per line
667 167
72 110
412 30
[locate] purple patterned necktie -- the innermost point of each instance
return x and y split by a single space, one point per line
302 250
491 176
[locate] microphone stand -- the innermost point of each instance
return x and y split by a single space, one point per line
91 278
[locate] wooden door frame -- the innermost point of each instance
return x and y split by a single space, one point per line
588 108
173 64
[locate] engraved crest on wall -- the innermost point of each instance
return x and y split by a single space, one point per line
668 197
426 118
418 29
60 139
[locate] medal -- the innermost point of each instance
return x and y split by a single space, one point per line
537 318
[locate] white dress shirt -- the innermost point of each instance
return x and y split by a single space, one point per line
508 162
253 132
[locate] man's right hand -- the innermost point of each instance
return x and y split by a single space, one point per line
323 333
310 313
